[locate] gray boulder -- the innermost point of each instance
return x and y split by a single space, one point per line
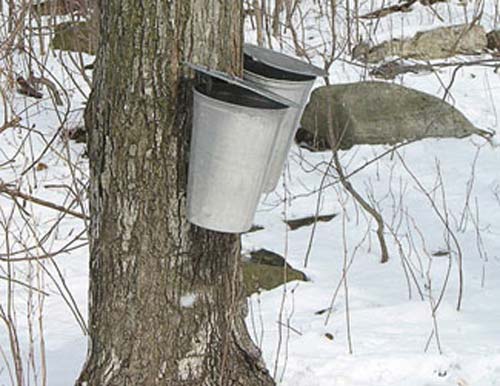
438 43
379 113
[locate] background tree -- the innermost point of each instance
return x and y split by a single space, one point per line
165 297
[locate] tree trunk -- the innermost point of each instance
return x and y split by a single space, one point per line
165 296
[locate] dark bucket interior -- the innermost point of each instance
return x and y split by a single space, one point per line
268 71
232 93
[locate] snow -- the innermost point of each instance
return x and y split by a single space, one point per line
384 312
188 300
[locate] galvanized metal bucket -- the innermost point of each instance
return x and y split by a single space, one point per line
290 78
234 130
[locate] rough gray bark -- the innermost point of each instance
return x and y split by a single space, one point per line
165 297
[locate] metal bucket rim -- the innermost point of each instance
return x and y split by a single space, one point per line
244 84
226 104
280 82
305 68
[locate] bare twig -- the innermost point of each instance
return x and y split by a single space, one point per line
447 226
384 258
17 194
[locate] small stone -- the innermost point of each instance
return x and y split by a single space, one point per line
255 228
306 221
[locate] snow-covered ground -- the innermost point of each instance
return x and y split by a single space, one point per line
399 319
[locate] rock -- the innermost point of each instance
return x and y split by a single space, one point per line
360 51
310 141
439 43
75 36
255 228
494 40
77 134
395 68
26 87
306 221
380 113
265 270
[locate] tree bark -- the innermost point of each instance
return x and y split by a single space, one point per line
166 299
